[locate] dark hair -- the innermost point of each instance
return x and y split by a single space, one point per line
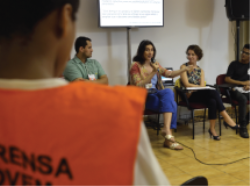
141 49
81 42
197 50
21 16
247 46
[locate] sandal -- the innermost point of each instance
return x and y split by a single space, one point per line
174 146
168 137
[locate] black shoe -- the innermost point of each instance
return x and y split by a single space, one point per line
214 137
244 133
227 125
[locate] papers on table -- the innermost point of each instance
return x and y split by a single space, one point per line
241 89
200 88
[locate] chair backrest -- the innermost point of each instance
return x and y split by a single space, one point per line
199 180
221 80
177 84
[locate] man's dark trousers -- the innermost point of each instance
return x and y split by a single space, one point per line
242 99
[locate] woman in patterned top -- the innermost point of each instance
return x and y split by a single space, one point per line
195 78
144 72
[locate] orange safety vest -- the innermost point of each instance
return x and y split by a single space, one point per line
78 134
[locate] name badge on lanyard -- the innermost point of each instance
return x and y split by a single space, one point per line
149 85
91 77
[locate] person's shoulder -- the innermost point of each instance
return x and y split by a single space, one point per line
93 60
69 65
105 94
183 65
199 67
71 62
135 63
236 62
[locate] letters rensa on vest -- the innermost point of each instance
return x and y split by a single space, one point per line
41 164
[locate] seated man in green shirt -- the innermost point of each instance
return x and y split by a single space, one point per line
81 68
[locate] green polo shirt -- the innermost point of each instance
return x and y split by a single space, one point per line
75 68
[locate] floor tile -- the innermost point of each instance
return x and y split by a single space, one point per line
172 171
178 180
191 167
229 153
222 179
241 183
245 161
216 161
182 161
236 167
210 172
247 181
241 175
243 147
180 166
239 156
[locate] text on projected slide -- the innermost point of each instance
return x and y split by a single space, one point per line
131 12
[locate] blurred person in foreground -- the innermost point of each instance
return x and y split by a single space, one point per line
55 133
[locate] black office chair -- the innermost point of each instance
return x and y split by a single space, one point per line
224 90
156 125
199 180
168 81
182 100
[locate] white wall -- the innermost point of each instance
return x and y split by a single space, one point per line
201 22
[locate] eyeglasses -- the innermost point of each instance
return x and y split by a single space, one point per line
243 52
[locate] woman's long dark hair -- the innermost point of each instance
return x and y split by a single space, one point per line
140 52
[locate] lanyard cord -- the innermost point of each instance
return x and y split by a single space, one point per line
86 69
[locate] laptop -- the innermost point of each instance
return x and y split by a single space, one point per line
166 80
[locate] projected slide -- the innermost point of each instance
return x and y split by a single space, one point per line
130 13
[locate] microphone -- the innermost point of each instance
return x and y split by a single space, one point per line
153 61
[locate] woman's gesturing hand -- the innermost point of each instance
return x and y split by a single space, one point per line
155 67
190 68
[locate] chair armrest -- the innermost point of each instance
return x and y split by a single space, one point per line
226 85
211 85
